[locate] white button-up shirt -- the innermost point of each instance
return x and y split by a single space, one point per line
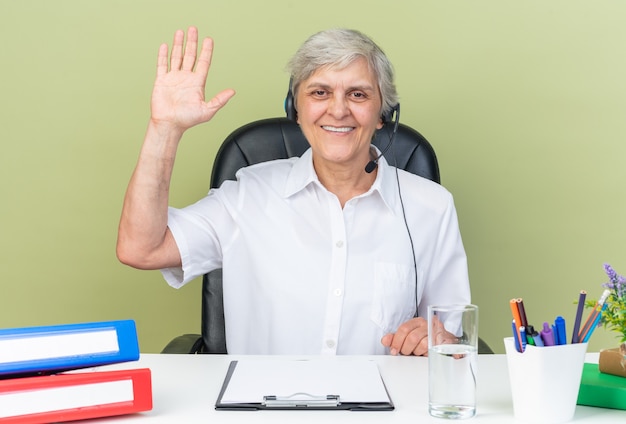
302 275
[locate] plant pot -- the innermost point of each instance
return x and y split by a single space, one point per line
613 361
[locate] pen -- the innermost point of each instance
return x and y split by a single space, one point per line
579 314
559 323
547 335
595 324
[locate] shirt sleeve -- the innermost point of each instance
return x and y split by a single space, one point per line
194 229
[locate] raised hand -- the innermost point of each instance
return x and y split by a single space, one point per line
178 99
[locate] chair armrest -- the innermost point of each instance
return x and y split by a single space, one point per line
187 343
483 347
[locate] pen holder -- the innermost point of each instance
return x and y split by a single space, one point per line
545 381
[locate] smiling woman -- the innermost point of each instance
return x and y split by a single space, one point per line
361 280
343 84
339 111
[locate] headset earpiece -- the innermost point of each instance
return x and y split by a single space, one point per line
290 104
388 116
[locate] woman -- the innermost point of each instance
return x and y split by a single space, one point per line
317 254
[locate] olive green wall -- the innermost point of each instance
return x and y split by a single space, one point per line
524 101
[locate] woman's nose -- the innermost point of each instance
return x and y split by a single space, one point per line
338 107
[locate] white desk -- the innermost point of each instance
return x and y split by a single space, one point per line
185 388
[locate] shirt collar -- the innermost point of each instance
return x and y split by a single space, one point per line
385 185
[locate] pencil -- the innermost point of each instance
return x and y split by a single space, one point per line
594 325
593 315
579 315
518 320
522 312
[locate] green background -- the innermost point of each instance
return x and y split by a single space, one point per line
524 102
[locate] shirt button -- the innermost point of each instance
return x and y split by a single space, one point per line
339 243
337 292
330 343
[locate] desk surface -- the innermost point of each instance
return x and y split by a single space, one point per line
185 388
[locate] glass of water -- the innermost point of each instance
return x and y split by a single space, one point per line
452 357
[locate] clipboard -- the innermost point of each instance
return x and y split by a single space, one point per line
310 384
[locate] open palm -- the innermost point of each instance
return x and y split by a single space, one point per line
178 95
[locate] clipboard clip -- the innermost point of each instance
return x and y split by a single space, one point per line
301 399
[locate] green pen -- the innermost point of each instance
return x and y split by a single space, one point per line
535 335
529 339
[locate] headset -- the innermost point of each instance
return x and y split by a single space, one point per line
290 103
392 115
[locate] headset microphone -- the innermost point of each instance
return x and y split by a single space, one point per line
373 164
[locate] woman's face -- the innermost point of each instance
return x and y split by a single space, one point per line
338 111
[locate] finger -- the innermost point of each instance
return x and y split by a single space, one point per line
414 342
386 340
191 49
409 335
439 333
422 347
204 61
218 102
162 60
398 344
177 50
402 332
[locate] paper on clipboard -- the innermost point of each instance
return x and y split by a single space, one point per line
354 382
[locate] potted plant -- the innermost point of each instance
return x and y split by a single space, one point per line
613 318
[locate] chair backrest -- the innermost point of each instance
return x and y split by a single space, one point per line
281 138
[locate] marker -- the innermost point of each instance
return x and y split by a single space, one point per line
559 323
535 335
522 332
579 315
529 336
547 335
515 338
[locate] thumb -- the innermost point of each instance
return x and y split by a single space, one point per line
219 101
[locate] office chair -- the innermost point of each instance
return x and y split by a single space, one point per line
281 138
